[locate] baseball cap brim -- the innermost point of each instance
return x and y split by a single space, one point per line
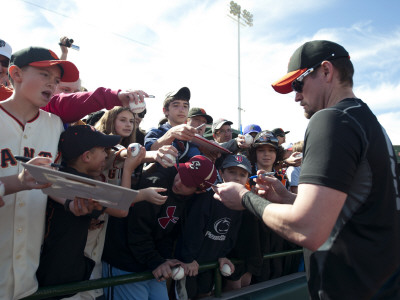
186 176
109 141
284 85
234 164
220 124
70 74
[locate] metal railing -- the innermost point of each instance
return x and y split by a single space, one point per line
72 288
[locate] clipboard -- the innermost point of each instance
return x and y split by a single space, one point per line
65 185
201 141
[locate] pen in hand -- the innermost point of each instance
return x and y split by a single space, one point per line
26 159
264 174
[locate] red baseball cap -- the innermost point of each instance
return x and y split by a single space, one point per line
42 57
198 172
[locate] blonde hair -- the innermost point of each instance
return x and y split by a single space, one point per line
298 146
106 124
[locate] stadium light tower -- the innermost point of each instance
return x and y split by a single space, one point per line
247 17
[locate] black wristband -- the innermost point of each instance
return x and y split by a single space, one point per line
66 204
255 204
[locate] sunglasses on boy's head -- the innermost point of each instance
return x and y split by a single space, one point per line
267 137
297 84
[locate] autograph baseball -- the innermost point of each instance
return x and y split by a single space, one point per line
135 149
226 270
178 273
248 139
137 108
166 162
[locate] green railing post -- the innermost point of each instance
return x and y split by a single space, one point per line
87 285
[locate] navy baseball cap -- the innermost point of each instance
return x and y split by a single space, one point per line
76 140
306 56
42 57
237 161
252 128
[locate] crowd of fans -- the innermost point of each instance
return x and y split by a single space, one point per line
174 219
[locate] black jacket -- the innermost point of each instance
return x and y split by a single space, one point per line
210 230
145 239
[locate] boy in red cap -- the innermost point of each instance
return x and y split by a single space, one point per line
27 131
152 230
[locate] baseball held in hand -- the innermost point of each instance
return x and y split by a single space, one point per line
137 108
177 273
166 162
226 270
248 139
135 148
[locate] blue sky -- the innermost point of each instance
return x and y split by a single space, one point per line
160 46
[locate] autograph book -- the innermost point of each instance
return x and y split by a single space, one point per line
201 141
65 185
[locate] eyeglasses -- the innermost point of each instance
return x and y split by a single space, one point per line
297 84
266 137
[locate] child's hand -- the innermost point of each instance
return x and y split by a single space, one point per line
191 269
163 271
26 179
132 162
165 154
152 195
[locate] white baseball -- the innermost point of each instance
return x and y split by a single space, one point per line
248 139
166 162
226 270
178 273
137 108
135 149
2 189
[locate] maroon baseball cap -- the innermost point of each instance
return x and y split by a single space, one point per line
198 172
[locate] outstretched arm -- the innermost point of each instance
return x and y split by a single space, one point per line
307 222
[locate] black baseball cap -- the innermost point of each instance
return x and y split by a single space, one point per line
76 140
266 137
237 161
181 94
305 57
42 57
197 111
279 132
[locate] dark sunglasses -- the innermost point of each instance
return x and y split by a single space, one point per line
297 84
266 137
